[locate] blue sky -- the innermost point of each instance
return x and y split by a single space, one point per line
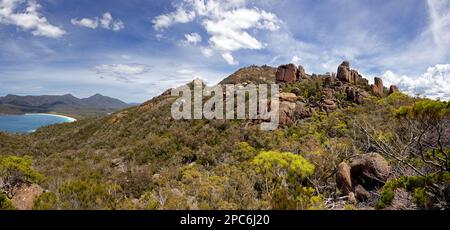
135 49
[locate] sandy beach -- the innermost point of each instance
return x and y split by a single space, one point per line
69 119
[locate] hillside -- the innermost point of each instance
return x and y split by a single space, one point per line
65 104
342 144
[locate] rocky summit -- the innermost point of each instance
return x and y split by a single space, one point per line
347 83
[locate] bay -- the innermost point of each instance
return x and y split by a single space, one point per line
29 123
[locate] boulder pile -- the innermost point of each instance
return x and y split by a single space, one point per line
345 74
290 73
378 88
365 173
347 82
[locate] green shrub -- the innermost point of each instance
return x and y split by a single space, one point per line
420 197
88 195
18 169
46 201
418 185
281 165
5 203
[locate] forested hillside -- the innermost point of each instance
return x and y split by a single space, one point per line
342 144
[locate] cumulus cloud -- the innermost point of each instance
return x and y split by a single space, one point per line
109 23
193 38
295 60
164 21
25 15
434 83
229 58
227 22
126 72
106 22
85 22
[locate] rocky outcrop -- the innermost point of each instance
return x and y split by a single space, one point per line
328 105
287 112
328 93
361 193
370 170
329 80
393 89
301 74
288 97
365 173
328 101
302 111
290 73
378 88
356 95
343 178
291 110
286 74
345 74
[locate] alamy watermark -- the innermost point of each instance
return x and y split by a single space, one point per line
249 102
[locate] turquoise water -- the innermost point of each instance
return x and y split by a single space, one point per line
29 122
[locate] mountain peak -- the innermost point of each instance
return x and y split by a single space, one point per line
252 74
97 95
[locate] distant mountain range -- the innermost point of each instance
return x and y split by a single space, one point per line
65 104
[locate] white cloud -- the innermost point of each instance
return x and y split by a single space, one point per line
295 60
434 83
126 72
85 22
109 23
166 20
229 58
193 38
228 23
118 25
440 21
106 22
207 52
28 18
430 47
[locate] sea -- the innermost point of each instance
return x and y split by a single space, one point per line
29 123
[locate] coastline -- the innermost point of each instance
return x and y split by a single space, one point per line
69 119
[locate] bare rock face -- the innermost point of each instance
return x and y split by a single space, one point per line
345 74
24 196
361 193
377 88
301 74
365 173
328 106
302 111
370 170
356 95
343 178
393 89
328 93
288 97
291 111
287 112
286 74
328 101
